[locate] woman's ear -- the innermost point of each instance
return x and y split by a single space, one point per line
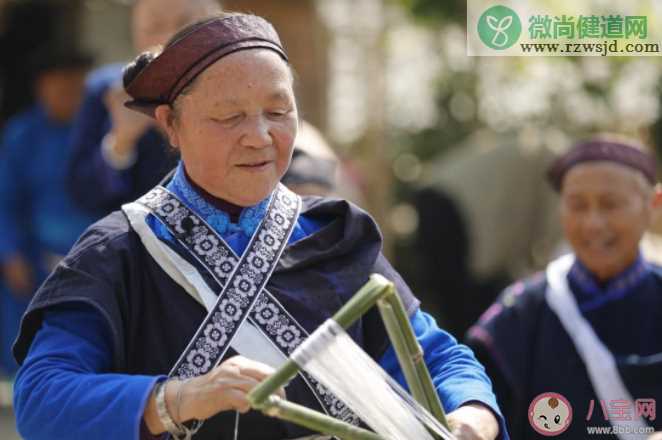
165 117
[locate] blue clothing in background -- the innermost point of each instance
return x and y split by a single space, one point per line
38 219
96 185
527 351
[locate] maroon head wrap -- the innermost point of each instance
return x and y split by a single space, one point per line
602 150
181 61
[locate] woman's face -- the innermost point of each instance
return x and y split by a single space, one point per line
236 127
605 210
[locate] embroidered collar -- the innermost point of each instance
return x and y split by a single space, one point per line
234 211
592 295
249 219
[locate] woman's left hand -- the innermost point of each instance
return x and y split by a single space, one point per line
473 422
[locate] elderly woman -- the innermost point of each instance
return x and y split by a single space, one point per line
218 275
588 327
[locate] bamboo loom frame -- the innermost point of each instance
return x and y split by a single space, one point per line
378 290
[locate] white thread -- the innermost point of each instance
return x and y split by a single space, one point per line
335 360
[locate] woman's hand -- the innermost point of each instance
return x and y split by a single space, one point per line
222 389
473 422
127 125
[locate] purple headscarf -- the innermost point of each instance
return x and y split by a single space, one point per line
602 150
164 78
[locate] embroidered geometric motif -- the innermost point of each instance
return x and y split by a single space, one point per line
241 285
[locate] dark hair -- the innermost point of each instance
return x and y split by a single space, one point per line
54 57
136 66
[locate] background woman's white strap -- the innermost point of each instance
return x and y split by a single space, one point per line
600 363
248 341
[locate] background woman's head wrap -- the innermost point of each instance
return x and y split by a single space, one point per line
164 77
602 150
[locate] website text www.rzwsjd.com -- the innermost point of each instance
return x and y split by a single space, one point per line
602 48
600 430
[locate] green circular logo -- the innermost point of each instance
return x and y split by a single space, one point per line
499 27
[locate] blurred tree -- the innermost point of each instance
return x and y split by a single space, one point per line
435 10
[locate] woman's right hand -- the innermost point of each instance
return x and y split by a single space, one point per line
222 389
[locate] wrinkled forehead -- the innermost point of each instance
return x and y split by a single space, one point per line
253 66
244 75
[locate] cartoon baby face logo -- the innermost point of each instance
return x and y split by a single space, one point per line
550 414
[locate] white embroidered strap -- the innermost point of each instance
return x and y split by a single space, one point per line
243 281
285 333
600 363
271 333
268 317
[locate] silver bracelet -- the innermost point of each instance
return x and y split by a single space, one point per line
178 404
186 432
162 411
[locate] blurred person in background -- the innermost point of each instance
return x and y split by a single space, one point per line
38 219
317 170
314 164
485 219
589 327
118 154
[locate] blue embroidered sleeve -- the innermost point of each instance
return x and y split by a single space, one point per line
457 375
63 389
